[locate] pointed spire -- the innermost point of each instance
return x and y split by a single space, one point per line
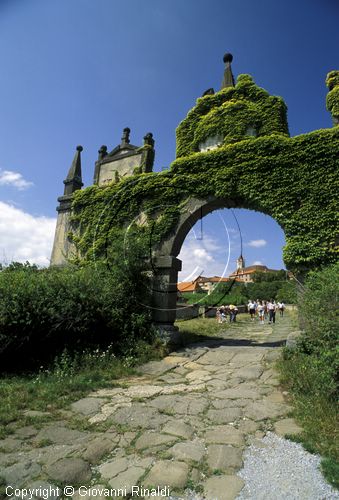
228 80
125 136
73 180
240 262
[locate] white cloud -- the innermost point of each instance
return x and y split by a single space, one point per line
201 253
257 263
257 243
9 178
24 236
203 256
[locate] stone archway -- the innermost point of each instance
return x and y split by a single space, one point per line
166 264
233 150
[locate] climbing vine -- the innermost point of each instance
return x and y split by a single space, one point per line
332 99
294 180
231 113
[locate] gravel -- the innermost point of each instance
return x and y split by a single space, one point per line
282 470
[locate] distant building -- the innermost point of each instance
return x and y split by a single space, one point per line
242 274
189 287
245 274
201 284
208 284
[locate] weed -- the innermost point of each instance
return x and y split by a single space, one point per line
193 486
43 443
217 472
68 379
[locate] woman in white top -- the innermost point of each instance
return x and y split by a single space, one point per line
251 309
261 313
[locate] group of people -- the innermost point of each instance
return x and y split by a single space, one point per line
265 310
224 311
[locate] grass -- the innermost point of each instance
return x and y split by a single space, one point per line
69 379
198 329
317 414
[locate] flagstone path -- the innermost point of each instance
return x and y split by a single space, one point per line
183 424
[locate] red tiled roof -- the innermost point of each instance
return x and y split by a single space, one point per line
188 286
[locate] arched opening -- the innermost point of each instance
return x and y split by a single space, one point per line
188 243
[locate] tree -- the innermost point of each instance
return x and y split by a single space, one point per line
287 293
260 276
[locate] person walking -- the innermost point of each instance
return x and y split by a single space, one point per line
235 312
281 307
232 313
265 310
222 314
261 313
218 315
271 306
251 309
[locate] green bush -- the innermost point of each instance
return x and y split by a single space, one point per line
312 375
316 359
287 293
319 310
264 290
260 276
42 312
310 371
216 298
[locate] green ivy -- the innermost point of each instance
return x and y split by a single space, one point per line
294 180
230 113
332 99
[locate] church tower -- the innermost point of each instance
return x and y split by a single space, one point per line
240 263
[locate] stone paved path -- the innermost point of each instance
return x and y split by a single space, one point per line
184 423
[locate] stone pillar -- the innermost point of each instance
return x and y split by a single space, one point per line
63 248
165 296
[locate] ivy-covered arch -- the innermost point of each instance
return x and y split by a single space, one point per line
249 162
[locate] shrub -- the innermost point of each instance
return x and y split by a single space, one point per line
264 290
319 310
310 371
287 293
315 362
42 312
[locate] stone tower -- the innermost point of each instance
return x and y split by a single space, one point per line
63 248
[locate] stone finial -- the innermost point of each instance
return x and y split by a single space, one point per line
148 140
102 152
73 180
228 80
125 136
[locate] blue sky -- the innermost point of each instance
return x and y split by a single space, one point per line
79 71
